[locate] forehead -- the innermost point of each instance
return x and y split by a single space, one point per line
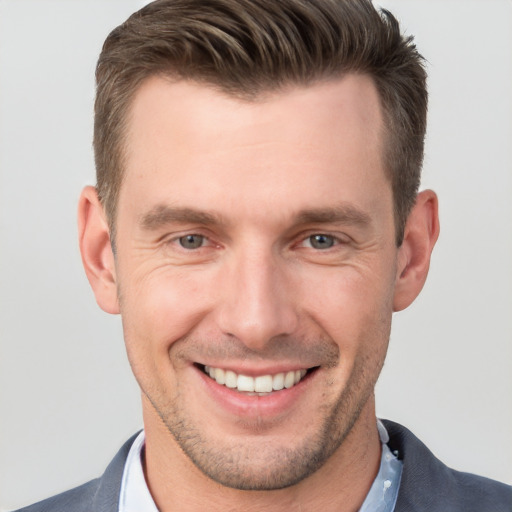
190 110
191 142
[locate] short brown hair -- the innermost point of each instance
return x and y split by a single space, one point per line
246 47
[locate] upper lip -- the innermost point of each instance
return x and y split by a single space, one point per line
256 371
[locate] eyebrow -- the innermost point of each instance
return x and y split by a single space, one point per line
345 214
162 215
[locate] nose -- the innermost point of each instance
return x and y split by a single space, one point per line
257 300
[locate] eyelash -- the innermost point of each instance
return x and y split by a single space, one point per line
181 238
334 240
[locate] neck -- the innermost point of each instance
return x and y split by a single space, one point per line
340 485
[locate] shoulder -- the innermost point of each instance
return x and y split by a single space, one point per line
100 495
428 484
79 499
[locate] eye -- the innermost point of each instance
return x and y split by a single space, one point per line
191 241
321 241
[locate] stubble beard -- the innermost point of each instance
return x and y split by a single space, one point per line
255 464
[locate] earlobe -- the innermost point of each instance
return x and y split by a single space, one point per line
96 250
420 236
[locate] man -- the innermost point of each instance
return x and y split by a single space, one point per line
256 222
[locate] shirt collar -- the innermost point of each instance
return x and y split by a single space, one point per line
384 490
135 495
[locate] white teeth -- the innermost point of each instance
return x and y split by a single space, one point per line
245 383
262 384
278 382
231 379
220 375
289 380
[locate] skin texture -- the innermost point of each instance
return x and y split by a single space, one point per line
253 292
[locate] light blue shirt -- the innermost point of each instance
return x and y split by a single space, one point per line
135 495
384 490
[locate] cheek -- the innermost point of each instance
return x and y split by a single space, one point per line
163 301
157 311
354 307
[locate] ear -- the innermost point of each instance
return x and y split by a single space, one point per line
97 256
420 235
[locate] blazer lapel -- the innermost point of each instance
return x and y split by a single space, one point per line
106 497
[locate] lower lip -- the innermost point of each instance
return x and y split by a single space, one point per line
255 406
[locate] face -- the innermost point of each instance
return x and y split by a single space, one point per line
255 268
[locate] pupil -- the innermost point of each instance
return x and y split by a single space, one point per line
191 241
321 241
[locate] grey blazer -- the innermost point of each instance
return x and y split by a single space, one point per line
427 484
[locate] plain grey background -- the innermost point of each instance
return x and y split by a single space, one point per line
67 397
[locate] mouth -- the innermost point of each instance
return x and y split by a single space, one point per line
260 385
